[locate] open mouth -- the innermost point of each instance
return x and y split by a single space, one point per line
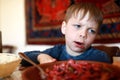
80 45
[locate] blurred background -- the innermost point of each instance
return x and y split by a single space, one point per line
13 27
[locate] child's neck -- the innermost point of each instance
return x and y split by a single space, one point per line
72 53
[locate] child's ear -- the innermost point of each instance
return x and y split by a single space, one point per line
63 27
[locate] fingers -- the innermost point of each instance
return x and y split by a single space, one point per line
44 58
47 60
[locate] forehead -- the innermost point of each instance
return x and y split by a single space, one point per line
84 19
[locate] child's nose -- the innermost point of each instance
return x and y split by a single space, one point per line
83 34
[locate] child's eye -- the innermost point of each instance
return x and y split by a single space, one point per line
76 26
92 31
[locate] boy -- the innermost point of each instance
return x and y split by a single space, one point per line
80 27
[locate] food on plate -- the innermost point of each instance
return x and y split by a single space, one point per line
74 70
8 63
82 70
7 57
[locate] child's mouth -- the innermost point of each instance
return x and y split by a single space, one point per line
79 44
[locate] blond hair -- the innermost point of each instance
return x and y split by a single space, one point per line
95 13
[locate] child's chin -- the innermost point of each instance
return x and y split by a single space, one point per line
79 50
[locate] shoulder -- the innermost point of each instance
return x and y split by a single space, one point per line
98 55
55 49
94 50
59 46
97 52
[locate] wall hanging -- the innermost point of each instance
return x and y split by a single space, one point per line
44 18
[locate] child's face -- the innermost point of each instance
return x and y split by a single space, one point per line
79 34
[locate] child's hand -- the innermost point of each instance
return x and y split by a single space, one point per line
44 58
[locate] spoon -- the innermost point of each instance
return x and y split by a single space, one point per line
42 73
